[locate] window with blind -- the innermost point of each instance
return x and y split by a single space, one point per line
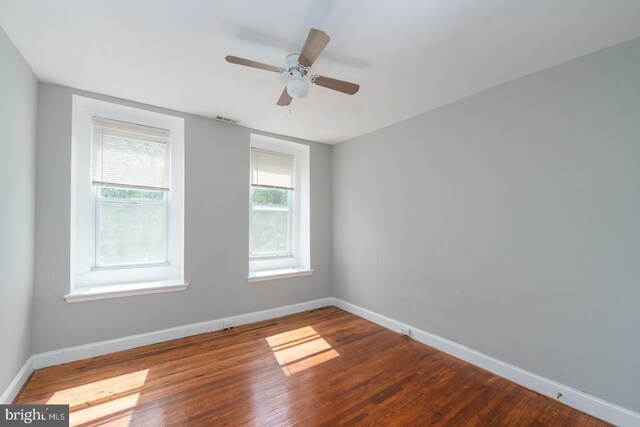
279 229
130 176
127 206
272 201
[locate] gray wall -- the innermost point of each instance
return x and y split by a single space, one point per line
508 222
18 87
216 236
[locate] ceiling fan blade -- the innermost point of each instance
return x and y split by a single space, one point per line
285 99
316 42
254 64
339 85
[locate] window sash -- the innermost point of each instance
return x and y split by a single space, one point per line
97 200
290 226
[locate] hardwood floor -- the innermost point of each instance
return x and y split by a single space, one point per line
322 367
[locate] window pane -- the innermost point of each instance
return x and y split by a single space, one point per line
124 193
270 232
131 233
269 196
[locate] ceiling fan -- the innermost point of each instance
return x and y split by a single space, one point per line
298 65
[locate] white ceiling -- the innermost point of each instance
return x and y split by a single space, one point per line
409 56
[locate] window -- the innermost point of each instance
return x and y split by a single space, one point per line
127 203
279 209
130 179
272 202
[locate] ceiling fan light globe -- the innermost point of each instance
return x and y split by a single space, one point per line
297 88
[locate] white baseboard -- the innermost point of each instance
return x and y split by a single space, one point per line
70 354
16 385
576 399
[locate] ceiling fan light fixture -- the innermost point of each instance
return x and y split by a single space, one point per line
297 88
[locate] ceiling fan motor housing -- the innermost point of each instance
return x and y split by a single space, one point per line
292 62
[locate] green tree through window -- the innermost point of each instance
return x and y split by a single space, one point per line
269 196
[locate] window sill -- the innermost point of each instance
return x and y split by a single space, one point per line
122 290
259 276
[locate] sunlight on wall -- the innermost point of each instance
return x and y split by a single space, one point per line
300 349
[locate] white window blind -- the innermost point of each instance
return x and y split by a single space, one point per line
271 169
129 155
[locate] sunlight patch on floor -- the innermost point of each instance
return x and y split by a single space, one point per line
300 349
99 390
108 401
310 362
112 408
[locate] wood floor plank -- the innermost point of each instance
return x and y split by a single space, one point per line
321 367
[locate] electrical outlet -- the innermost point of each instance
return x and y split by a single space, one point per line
405 331
227 324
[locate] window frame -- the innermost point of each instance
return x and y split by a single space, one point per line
260 268
85 275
